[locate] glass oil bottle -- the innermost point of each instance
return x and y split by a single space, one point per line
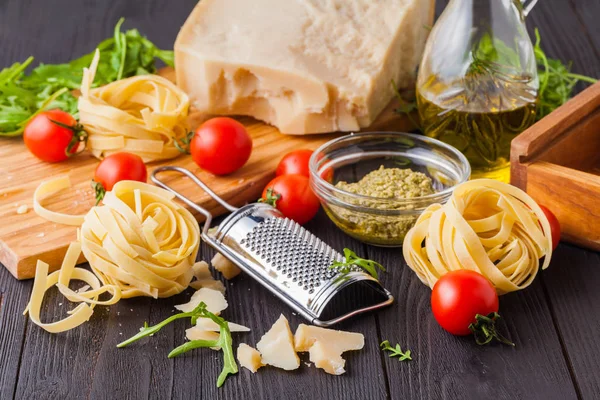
477 86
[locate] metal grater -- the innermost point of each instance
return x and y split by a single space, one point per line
287 259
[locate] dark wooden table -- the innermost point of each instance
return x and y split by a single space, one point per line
555 323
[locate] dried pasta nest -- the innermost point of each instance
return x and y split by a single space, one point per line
487 226
144 115
141 241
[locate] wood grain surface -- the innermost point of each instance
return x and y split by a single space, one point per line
554 322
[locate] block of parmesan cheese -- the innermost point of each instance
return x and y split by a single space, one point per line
249 357
338 341
308 66
277 346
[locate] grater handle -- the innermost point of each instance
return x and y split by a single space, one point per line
387 302
187 201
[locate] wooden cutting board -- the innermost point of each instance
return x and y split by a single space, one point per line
25 238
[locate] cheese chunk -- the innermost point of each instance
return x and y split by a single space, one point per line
208 283
337 341
249 357
207 324
327 359
308 66
198 334
277 346
201 270
224 266
214 300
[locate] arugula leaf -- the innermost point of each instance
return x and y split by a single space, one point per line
556 81
22 96
352 259
395 351
224 342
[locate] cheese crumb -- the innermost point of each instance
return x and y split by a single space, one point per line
224 266
277 346
249 357
22 209
83 289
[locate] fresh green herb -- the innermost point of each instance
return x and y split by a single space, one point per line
224 342
183 145
271 198
556 81
395 351
351 260
99 191
49 85
406 108
484 329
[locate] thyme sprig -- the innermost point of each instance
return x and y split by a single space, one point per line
395 351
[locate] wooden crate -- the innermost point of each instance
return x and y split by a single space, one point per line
557 161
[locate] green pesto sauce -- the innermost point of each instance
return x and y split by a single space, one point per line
383 183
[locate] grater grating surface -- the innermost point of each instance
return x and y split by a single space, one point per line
292 253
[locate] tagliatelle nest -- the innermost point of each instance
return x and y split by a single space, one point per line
487 226
143 115
141 241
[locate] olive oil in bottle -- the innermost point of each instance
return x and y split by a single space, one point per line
479 120
478 85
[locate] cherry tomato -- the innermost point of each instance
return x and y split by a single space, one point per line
554 226
221 146
49 135
293 196
294 163
118 167
460 295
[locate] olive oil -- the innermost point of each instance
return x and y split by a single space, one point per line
479 115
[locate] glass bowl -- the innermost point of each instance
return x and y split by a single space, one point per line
374 220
